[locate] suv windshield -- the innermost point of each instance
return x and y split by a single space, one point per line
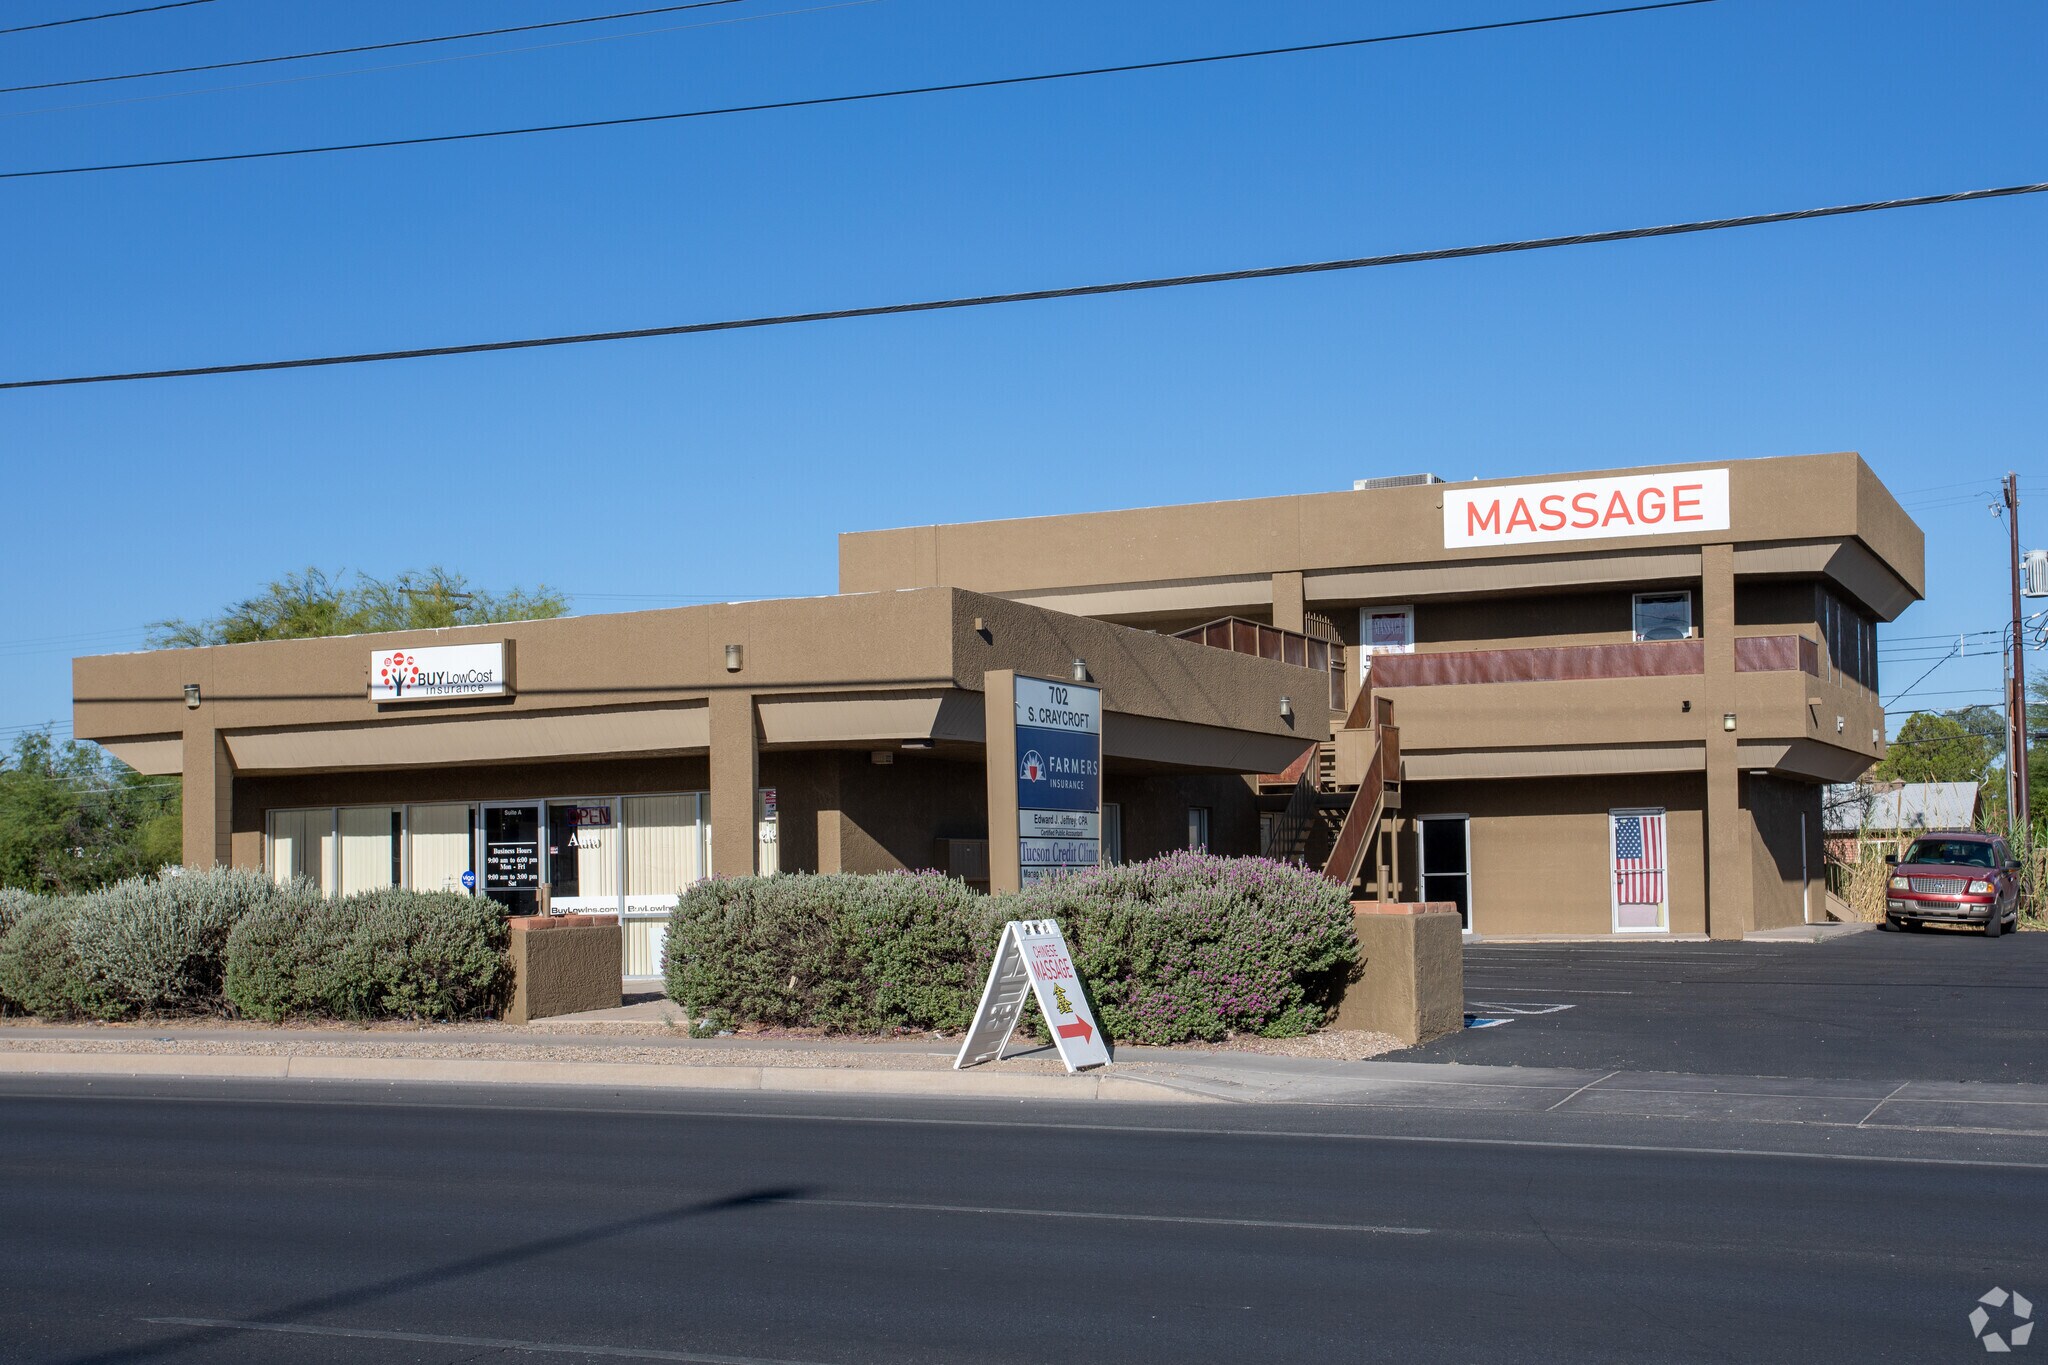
1955 852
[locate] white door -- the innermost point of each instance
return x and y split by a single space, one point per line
1638 876
1384 630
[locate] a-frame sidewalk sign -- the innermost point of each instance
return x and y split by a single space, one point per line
1033 957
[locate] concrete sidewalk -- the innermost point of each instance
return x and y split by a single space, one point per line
922 1067
1943 1106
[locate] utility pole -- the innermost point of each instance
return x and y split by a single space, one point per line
2016 701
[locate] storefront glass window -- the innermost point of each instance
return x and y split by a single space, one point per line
301 842
370 840
664 844
583 854
439 845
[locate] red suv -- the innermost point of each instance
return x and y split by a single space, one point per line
1955 877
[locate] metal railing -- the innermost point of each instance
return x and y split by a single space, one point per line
1260 640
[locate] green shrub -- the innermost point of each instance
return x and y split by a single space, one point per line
1193 947
14 903
40 970
155 943
841 951
390 953
282 961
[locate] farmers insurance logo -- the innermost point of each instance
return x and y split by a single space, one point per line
1032 769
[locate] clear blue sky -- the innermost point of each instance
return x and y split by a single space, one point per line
644 472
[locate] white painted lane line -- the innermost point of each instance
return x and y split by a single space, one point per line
1580 1091
1093 1215
1561 990
1881 1103
309 1329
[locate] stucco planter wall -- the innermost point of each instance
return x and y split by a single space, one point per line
564 964
1412 981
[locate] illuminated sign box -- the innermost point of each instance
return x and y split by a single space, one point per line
440 672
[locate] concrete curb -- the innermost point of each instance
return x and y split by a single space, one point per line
948 1084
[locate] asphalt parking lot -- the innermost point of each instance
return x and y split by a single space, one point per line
1933 1005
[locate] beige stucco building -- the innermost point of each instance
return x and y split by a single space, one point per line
1479 692
1561 668
616 759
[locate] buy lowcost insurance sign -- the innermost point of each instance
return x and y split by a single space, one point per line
1059 777
438 672
1587 509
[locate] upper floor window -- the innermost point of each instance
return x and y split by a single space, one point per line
1663 615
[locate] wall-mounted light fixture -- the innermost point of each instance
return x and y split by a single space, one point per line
191 696
1728 720
919 744
1841 724
734 655
1287 708
1080 670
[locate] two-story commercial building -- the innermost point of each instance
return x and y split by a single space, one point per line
1570 704
1575 704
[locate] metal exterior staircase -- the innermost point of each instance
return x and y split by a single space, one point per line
1334 818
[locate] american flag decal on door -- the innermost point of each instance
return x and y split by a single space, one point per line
1639 859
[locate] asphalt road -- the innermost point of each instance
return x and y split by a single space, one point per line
1936 1005
246 1223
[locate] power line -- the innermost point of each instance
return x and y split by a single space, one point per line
364 47
1036 295
1953 651
436 61
861 97
112 14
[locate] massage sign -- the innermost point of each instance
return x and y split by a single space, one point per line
1059 777
1032 958
1681 503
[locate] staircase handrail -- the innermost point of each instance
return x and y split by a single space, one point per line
1292 826
1361 818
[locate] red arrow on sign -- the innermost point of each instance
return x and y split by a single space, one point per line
1078 1029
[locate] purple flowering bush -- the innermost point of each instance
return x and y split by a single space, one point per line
1192 946
847 952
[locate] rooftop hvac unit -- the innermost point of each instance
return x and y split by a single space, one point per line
1395 481
2034 574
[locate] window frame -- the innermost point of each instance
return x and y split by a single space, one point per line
1422 872
1635 606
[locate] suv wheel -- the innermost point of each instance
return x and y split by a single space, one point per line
1890 925
1995 925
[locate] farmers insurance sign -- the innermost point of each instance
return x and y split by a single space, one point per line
1059 778
1587 509
438 673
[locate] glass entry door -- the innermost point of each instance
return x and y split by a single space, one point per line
1447 862
512 856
